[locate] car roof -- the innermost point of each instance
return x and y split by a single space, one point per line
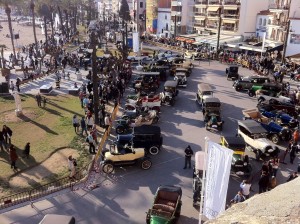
204 87
211 100
146 129
233 141
170 83
252 126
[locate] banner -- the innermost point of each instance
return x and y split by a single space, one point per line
135 38
217 177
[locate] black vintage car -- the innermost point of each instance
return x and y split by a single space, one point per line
246 83
145 136
232 72
170 92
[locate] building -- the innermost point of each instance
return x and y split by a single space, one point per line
164 18
182 16
236 17
151 16
293 39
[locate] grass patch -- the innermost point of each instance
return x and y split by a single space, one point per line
47 129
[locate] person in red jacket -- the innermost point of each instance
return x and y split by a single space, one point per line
13 156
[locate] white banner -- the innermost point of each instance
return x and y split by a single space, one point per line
217 177
135 40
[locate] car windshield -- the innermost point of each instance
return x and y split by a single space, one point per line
207 93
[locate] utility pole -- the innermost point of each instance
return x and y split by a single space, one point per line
286 34
95 78
175 28
219 31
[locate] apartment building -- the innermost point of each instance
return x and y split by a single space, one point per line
236 17
151 16
164 18
293 40
182 16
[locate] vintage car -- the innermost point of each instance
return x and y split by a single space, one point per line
271 89
145 136
149 81
211 108
255 137
204 91
124 156
126 125
146 102
240 164
272 105
170 92
190 54
281 118
275 131
246 83
232 72
181 79
166 206
186 68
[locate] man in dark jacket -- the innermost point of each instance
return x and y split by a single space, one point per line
2 143
7 133
263 182
188 157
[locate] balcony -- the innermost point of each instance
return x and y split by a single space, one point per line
231 2
176 3
200 14
199 25
278 23
175 13
214 3
230 16
275 7
213 14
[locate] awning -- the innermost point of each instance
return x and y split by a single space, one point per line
228 21
230 7
213 8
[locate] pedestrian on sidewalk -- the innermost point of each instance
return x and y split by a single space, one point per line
293 153
107 121
13 157
188 156
44 101
275 165
83 126
94 133
91 142
245 187
263 182
7 133
18 82
27 150
72 163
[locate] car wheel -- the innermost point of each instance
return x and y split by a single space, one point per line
251 94
154 150
108 168
120 130
146 164
275 139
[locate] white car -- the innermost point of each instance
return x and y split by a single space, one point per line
267 96
255 136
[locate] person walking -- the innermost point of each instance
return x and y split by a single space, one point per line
293 153
275 165
107 121
2 141
72 163
245 188
13 157
91 142
7 133
89 122
18 83
75 123
94 133
83 126
38 98
263 182
188 156
27 150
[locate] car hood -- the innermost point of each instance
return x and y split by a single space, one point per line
263 142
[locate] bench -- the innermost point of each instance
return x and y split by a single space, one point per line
73 91
46 88
19 69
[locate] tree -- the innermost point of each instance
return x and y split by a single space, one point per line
124 11
8 12
32 6
44 11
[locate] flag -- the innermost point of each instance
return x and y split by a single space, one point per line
217 177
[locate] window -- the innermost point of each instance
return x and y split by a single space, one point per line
269 21
166 17
167 26
265 22
260 21
141 5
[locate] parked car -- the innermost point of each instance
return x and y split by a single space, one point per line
124 156
145 136
181 79
272 105
170 93
211 109
204 91
254 136
166 206
281 118
232 72
240 164
271 89
246 83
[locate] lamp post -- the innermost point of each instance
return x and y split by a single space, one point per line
219 31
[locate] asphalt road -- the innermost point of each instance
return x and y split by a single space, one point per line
125 196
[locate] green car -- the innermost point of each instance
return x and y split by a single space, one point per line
166 206
271 89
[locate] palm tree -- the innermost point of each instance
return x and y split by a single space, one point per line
32 6
8 12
